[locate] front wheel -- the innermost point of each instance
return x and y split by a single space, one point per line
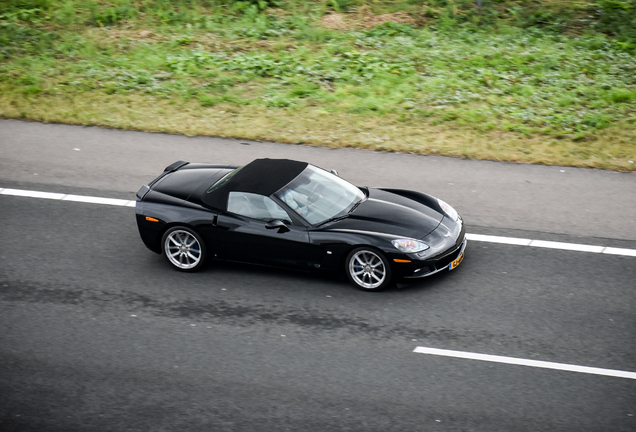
184 249
368 269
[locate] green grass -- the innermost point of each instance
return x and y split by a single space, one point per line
463 82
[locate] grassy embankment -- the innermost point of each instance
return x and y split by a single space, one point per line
549 82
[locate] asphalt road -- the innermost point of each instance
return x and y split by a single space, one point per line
99 334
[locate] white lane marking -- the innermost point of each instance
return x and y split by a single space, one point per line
526 362
566 246
497 239
474 237
551 245
620 251
96 200
67 197
32 194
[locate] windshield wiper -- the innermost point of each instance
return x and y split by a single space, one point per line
333 219
344 216
355 206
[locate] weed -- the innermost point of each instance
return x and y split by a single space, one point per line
111 15
390 29
622 95
31 90
618 17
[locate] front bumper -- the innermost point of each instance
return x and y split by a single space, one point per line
424 268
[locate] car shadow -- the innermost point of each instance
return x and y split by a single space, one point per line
230 272
299 277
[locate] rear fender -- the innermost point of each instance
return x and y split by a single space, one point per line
153 220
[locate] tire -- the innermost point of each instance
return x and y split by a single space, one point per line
368 269
184 249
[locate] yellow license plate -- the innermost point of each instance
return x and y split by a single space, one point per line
455 263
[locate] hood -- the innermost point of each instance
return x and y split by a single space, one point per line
389 213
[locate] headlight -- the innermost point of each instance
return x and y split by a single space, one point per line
409 245
448 210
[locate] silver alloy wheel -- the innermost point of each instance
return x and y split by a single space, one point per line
367 269
182 249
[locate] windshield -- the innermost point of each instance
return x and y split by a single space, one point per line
317 195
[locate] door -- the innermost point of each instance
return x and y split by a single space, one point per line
243 234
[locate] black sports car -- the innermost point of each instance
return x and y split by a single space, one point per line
292 214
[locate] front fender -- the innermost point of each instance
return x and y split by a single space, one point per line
337 244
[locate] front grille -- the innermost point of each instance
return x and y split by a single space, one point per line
446 260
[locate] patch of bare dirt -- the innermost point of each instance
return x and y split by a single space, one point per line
132 34
363 18
336 21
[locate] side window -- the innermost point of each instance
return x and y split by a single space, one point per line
256 207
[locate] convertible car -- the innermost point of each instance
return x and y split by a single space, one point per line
287 213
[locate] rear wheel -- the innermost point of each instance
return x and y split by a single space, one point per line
368 269
184 249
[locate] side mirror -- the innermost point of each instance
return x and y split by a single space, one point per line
277 224
334 172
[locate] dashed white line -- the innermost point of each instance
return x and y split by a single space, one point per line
526 362
551 245
620 251
67 197
98 200
32 194
566 246
497 239
473 237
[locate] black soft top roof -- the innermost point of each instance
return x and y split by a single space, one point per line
261 176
